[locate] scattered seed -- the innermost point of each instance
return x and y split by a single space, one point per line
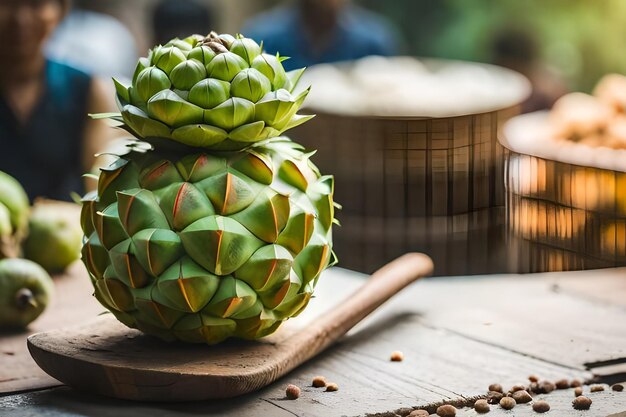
494 397
496 388
562 384
533 378
319 382
446 410
546 387
522 397
517 387
404 411
596 388
419 413
541 407
582 403
534 387
292 392
481 406
578 391
397 356
618 387
507 403
576 383
331 387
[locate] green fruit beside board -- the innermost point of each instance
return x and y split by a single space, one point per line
25 290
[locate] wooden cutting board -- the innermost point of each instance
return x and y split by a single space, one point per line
105 357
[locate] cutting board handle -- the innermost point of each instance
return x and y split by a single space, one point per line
381 286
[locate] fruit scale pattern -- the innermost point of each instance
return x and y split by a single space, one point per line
199 234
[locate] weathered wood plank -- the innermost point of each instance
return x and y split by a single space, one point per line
458 335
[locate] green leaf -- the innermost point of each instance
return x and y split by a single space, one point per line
247 133
250 84
199 135
230 114
209 93
122 91
225 66
169 108
186 74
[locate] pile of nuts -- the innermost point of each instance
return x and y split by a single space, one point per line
521 394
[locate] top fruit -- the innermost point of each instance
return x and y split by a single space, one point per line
217 92
14 211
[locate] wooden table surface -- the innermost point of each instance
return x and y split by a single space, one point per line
458 335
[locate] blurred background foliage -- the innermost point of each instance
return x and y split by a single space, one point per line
579 39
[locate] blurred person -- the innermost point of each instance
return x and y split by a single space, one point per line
46 139
94 42
179 19
517 49
321 31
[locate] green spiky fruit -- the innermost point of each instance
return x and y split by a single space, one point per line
25 290
54 236
211 225
217 92
14 212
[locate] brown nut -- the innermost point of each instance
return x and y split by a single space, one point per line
522 397
533 378
319 382
496 388
507 403
534 387
446 410
419 413
331 387
576 383
562 384
494 397
578 391
517 387
617 387
292 392
546 387
596 388
582 403
541 407
481 406
397 356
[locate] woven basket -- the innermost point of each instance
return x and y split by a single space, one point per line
414 183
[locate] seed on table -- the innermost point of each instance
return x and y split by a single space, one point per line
582 403
534 388
331 387
494 397
517 387
319 382
562 384
446 410
397 356
578 391
481 406
596 388
292 392
522 397
496 388
576 383
617 387
546 387
533 378
541 407
507 403
419 413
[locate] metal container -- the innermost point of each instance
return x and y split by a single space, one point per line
424 182
566 203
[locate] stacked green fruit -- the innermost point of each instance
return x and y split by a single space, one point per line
14 211
215 92
216 227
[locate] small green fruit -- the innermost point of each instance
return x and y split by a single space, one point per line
55 237
25 290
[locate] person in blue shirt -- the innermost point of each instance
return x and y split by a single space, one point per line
46 139
322 31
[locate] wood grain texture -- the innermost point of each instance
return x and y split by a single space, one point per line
451 363
106 357
71 304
